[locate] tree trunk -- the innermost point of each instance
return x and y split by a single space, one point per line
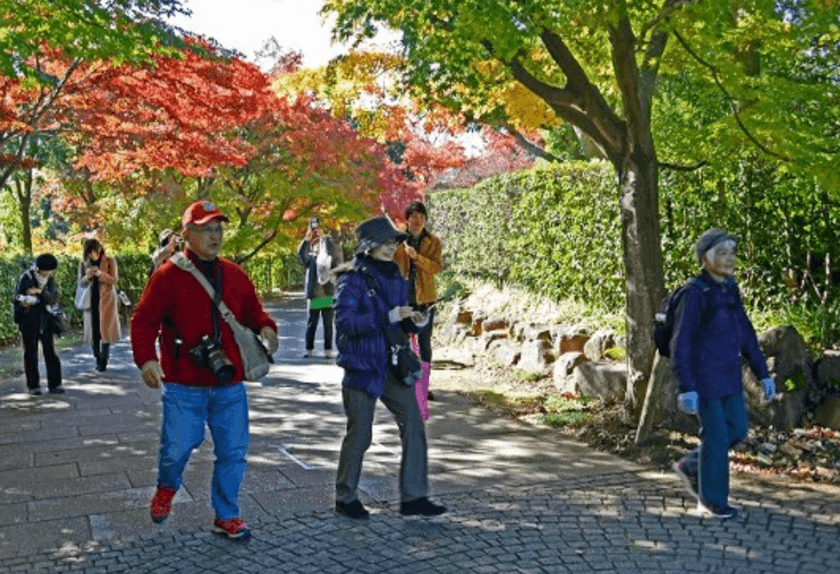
23 190
638 181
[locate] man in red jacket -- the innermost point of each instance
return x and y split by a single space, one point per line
200 388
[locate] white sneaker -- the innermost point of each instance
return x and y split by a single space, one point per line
329 353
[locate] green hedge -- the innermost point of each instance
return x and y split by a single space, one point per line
554 230
269 274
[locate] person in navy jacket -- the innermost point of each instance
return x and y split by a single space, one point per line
711 334
363 315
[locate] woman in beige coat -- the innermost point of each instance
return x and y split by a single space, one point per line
102 323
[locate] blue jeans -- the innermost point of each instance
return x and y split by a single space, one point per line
185 412
723 425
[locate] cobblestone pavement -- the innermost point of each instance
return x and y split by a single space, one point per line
77 472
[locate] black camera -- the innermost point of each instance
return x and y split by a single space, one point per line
209 354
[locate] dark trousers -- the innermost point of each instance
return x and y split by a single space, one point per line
30 358
723 424
312 324
424 338
359 408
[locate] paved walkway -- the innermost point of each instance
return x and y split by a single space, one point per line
77 472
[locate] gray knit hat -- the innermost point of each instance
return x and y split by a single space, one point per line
709 239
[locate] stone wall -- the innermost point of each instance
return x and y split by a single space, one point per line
518 330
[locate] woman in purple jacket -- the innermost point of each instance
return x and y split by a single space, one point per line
371 298
711 334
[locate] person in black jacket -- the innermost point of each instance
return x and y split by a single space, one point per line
34 292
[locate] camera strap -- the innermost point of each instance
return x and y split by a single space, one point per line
181 261
208 272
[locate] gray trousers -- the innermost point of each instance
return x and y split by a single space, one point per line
359 407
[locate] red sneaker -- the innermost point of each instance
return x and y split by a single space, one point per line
162 504
232 528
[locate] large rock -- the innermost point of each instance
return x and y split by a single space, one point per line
595 348
828 370
828 413
572 340
600 379
788 359
507 352
564 369
663 404
495 324
536 357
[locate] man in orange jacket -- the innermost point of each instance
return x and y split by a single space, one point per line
420 258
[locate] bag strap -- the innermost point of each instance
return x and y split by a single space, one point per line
187 265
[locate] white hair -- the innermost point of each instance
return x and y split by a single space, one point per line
712 253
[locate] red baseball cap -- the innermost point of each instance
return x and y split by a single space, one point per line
200 213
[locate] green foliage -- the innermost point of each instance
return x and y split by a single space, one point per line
123 31
450 287
616 353
553 230
567 410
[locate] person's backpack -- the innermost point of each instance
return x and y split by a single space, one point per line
663 321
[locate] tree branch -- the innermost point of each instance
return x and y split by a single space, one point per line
529 146
732 103
676 167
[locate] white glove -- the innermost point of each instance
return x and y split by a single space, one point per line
269 335
397 314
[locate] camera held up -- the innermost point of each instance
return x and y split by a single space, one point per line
209 354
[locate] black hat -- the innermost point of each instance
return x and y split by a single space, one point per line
376 231
46 262
709 239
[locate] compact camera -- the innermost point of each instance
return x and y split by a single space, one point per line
209 354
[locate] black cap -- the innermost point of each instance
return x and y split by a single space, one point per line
376 231
46 262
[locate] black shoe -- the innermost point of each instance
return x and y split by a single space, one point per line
689 480
35 391
57 391
353 509
422 506
430 396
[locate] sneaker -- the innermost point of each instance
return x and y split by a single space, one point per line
689 480
57 391
232 528
161 504
307 354
421 506
35 392
714 511
329 353
353 509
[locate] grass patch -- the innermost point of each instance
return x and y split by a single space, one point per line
527 376
555 410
